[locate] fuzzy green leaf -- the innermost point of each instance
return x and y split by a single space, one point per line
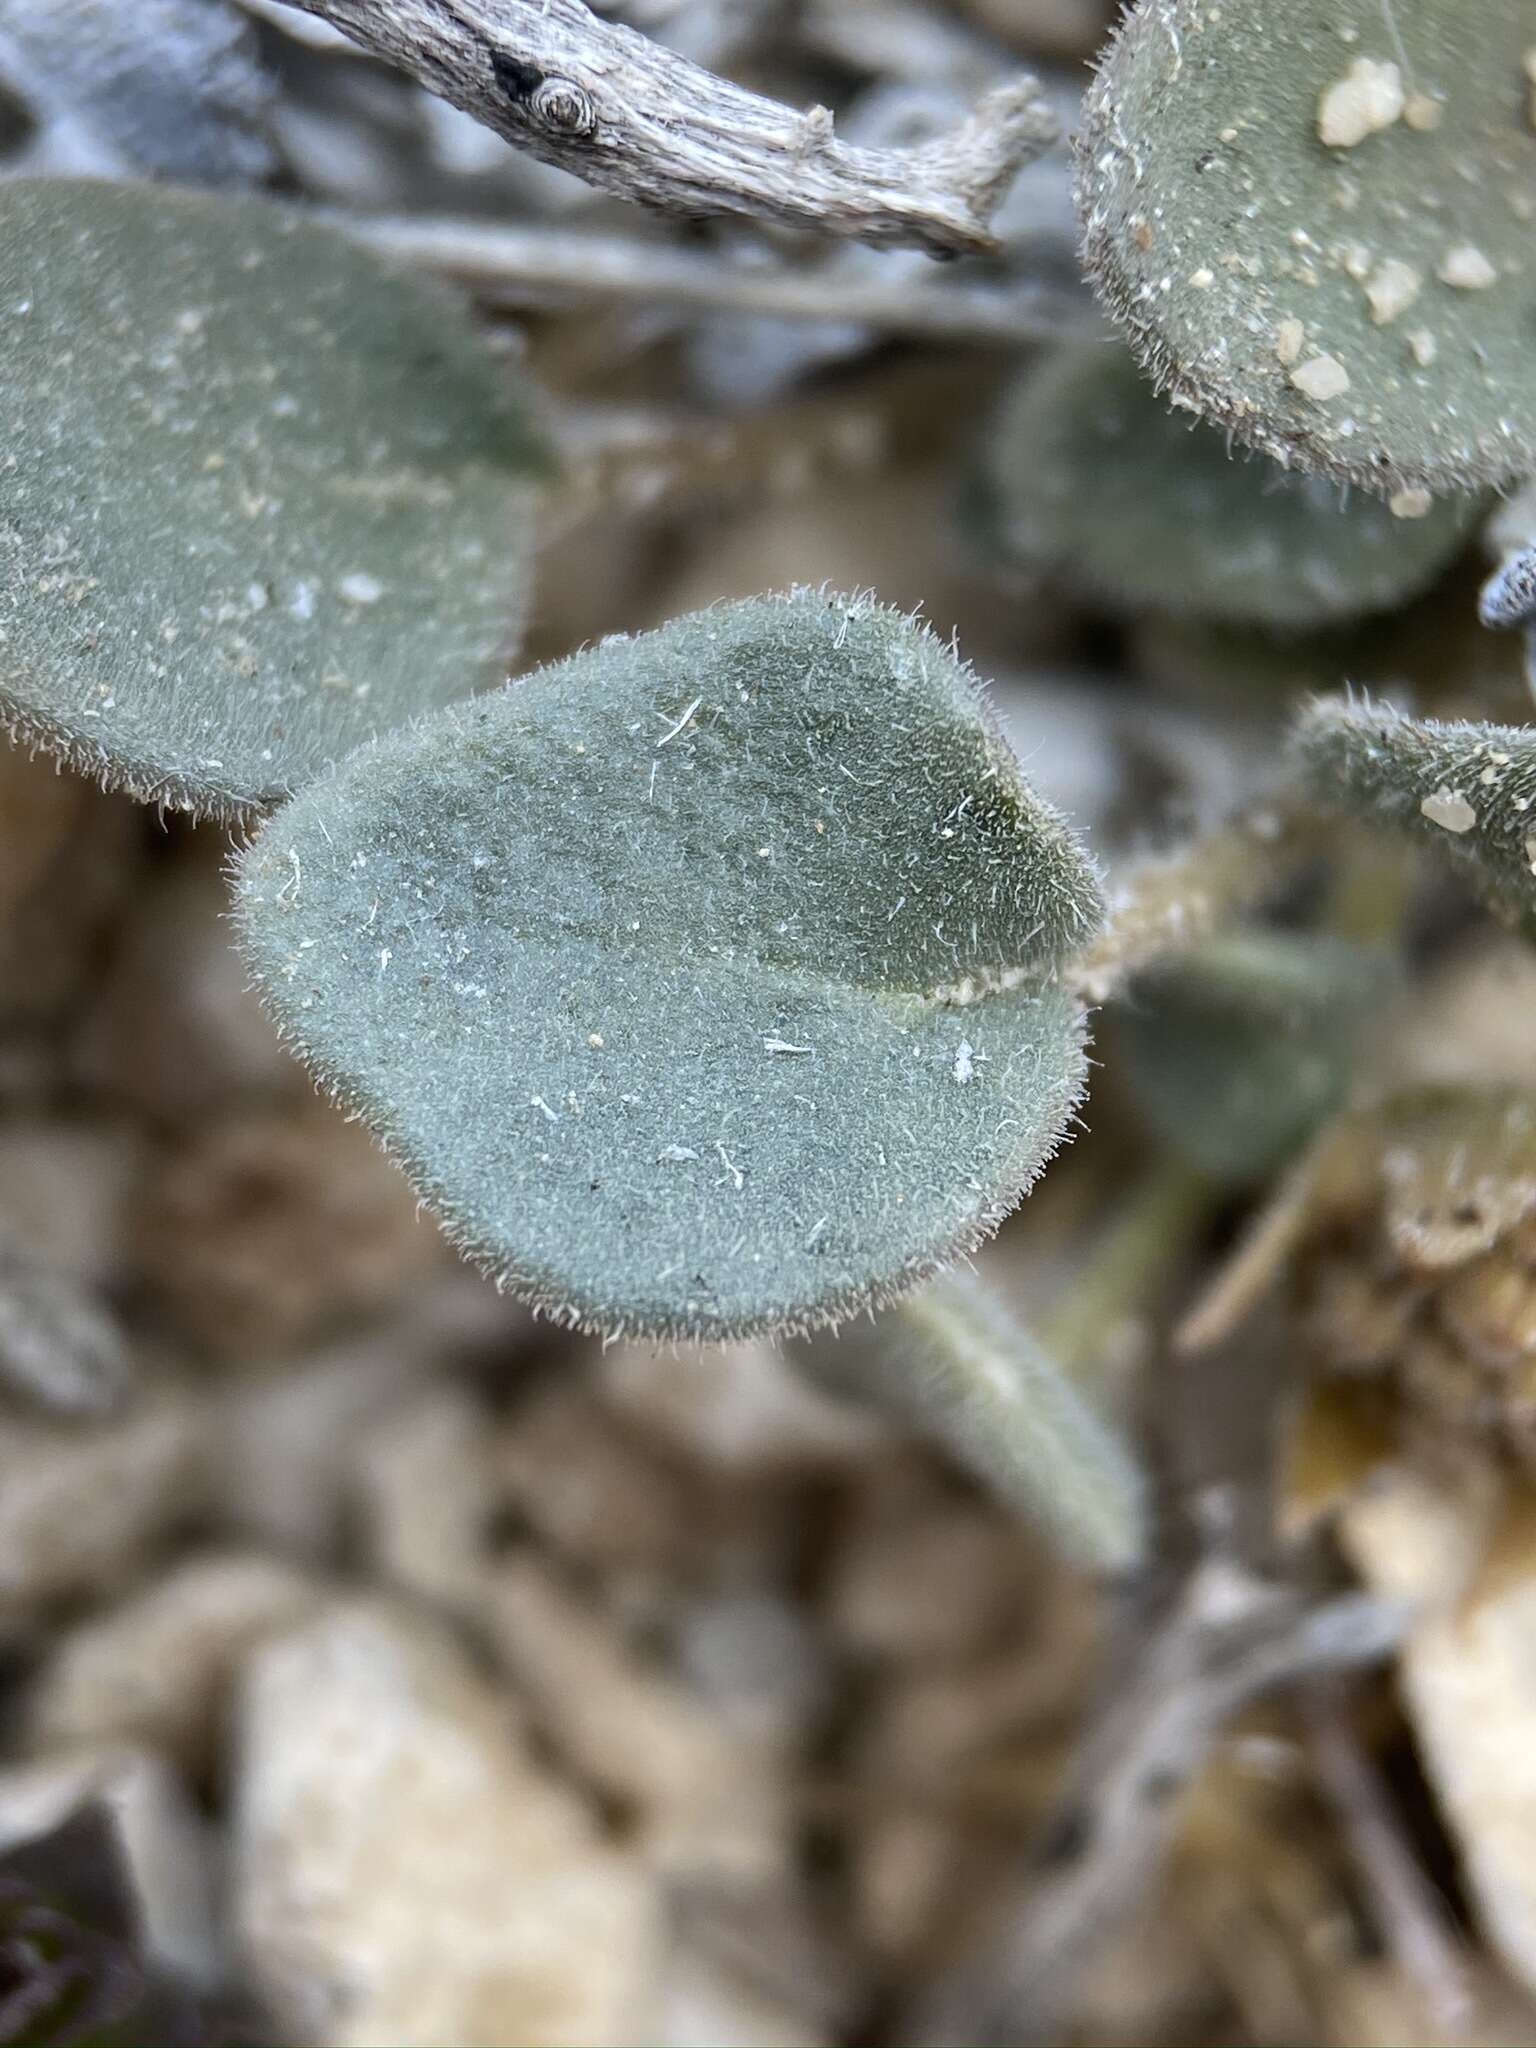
957 1365
263 498
1469 790
1317 223
1094 476
1239 1049
702 981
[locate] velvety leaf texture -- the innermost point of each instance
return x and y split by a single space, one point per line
1317 224
1468 790
1098 478
701 982
1237 1050
262 498
956 1363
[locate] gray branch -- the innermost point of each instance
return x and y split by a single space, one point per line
626 114
513 265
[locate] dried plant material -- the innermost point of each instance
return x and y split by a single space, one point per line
40 806
512 264
870 1096
278 1227
59 1348
79 1967
1465 1674
82 1506
1224 1639
270 498
594 1491
173 1032
1408 1238
429 1883
1291 151
157 1833
706 1802
158 1669
1093 477
422 1496
584 95
737 1407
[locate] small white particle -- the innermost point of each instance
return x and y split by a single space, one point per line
1423 347
783 1045
1202 279
595 1038
674 1155
1413 502
965 1061
1391 289
1289 336
359 588
1368 98
1322 378
1422 113
1467 268
1449 808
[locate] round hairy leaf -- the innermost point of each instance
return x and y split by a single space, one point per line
700 982
1317 223
1467 789
1238 1049
262 497
1098 478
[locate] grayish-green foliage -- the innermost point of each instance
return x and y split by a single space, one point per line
700 982
1094 476
958 1365
262 498
1238 1049
1362 305
1467 789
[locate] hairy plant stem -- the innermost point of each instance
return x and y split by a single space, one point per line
1127 1271
955 1364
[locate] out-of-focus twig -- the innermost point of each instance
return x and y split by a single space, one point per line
517 266
1228 1637
1414 1925
633 117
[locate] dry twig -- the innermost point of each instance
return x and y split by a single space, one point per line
1229 1637
626 114
514 265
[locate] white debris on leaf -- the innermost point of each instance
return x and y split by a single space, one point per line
1412 502
1322 378
1448 807
1368 98
1289 337
1391 289
1467 269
